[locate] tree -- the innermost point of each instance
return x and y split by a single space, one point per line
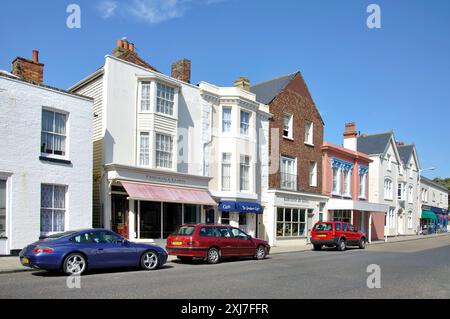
445 182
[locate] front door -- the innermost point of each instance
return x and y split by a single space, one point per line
119 215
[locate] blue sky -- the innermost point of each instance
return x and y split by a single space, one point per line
396 77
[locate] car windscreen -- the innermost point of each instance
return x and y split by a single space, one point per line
184 231
323 227
58 236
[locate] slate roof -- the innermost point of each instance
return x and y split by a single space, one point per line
266 91
405 152
373 144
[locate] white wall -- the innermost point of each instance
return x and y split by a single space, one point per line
20 114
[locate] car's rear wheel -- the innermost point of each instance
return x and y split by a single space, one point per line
362 243
150 260
341 245
75 264
260 252
213 256
317 247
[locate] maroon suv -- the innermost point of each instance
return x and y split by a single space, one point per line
212 242
337 234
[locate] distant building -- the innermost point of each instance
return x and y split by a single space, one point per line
393 181
346 177
434 206
46 161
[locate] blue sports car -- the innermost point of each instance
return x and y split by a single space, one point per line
75 252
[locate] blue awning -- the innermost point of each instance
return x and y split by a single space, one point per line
240 207
227 206
437 210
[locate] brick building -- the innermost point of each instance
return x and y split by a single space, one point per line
294 200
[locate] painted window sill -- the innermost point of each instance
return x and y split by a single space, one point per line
288 138
55 160
309 144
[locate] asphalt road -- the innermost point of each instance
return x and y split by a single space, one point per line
412 269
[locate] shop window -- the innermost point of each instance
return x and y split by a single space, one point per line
172 213
291 222
150 220
342 216
191 214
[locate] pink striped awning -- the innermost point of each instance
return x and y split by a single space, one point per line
158 193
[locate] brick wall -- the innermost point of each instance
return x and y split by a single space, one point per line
296 100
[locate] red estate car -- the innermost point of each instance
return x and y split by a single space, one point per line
212 242
337 234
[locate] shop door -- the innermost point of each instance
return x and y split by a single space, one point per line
210 216
119 215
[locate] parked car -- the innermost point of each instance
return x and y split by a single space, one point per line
337 234
75 252
212 242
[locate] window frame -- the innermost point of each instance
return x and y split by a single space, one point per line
142 152
313 174
388 191
159 151
290 130
242 166
66 133
227 127
167 103
226 163
3 232
244 126
148 101
309 133
336 190
301 212
289 175
53 209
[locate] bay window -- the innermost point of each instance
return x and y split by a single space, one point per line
165 97
164 151
245 173
245 123
226 171
53 208
53 133
145 96
144 149
226 120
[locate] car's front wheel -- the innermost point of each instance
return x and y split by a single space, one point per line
260 253
341 245
362 243
150 260
213 256
75 264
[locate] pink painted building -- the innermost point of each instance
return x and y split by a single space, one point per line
346 181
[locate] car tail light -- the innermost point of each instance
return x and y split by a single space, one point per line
43 250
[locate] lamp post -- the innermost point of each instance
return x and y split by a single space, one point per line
419 193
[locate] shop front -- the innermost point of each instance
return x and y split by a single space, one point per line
365 216
241 214
149 205
433 220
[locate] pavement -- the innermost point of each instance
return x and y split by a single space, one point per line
406 269
11 264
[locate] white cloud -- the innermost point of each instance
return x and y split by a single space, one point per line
151 11
155 11
107 8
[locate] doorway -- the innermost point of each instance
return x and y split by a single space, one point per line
119 215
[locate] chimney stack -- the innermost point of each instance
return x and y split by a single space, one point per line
350 136
123 46
242 83
29 70
181 70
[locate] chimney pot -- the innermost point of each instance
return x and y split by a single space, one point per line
243 83
181 70
131 46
